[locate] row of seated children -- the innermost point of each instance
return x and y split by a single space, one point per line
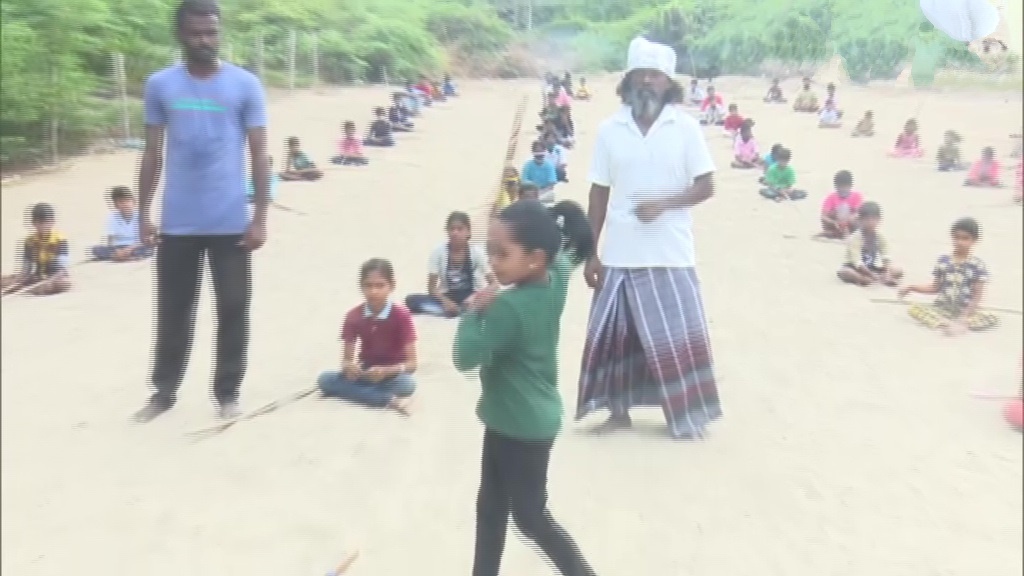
556 118
44 258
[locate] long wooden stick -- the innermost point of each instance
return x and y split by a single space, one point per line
265 409
345 564
510 152
987 308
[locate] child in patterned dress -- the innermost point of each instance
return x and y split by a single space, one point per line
959 280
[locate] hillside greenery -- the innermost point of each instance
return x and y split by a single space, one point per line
57 54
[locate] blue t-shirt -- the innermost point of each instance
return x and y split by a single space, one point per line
543 175
206 122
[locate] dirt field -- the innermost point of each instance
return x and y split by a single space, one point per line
850 446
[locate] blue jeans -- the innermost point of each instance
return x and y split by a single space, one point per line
335 385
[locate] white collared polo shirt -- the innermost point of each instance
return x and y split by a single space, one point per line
639 168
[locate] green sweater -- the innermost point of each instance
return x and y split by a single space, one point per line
514 342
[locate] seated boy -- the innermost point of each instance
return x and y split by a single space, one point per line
948 158
840 208
780 179
829 117
697 95
123 243
45 258
866 126
398 115
448 87
541 172
380 130
582 93
774 95
557 155
986 172
297 165
806 99
733 121
867 252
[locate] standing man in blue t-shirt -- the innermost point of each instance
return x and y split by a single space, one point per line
205 111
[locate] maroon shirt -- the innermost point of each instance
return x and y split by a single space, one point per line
382 338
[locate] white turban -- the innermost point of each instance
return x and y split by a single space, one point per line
644 54
963 20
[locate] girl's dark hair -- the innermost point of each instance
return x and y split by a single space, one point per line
869 114
349 124
673 96
775 149
380 266
379 111
565 225
830 86
194 8
910 123
843 178
292 140
870 210
784 155
967 225
120 193
537 146
734 106
42 212
457 218
988 151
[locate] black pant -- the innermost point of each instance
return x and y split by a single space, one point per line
179 261
513 479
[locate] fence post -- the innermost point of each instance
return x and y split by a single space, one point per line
316 59
292 49
384 73
54 120
121 78
259 55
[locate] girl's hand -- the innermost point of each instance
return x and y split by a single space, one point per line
483 298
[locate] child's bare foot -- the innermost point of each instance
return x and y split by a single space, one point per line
401 405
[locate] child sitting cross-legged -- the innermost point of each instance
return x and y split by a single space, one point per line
867 252
959 280
908 143
780 179
381 376
123 243
840 208
745 152
457 269
732 122
948 157
986 172
380 130
866 126
45 258
350 148
774 95
297 165
829 117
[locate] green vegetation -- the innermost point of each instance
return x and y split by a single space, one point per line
57 54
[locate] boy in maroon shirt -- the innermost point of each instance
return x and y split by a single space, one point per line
386 337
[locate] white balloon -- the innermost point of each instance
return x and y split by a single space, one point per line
963 20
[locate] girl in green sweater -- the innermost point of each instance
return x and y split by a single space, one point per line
511 335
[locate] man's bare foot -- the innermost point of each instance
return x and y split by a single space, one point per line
401 405
613 424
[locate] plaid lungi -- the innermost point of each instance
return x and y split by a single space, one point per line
647 345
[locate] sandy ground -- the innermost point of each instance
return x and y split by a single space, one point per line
850 445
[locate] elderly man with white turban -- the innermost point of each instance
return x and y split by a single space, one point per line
647 339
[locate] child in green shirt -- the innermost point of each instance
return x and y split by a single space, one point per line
511 335
780 178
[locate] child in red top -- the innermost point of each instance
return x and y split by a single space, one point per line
350 147
712 109
839 210
986 171
908 144
733 121
382 375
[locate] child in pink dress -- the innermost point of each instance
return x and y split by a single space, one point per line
986 171
908 144
745 151
839 210
350 147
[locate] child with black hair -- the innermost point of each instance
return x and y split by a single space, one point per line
908 143
382 375
806 99
540 171
840 208
867 252
380 130
350 148
455 271
774 95
45 258
123 243
297 165
733 121
948 156
511 335
744 148
583 93
986 172
959 280
528 191
865 127
398 115
780 178
557 155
